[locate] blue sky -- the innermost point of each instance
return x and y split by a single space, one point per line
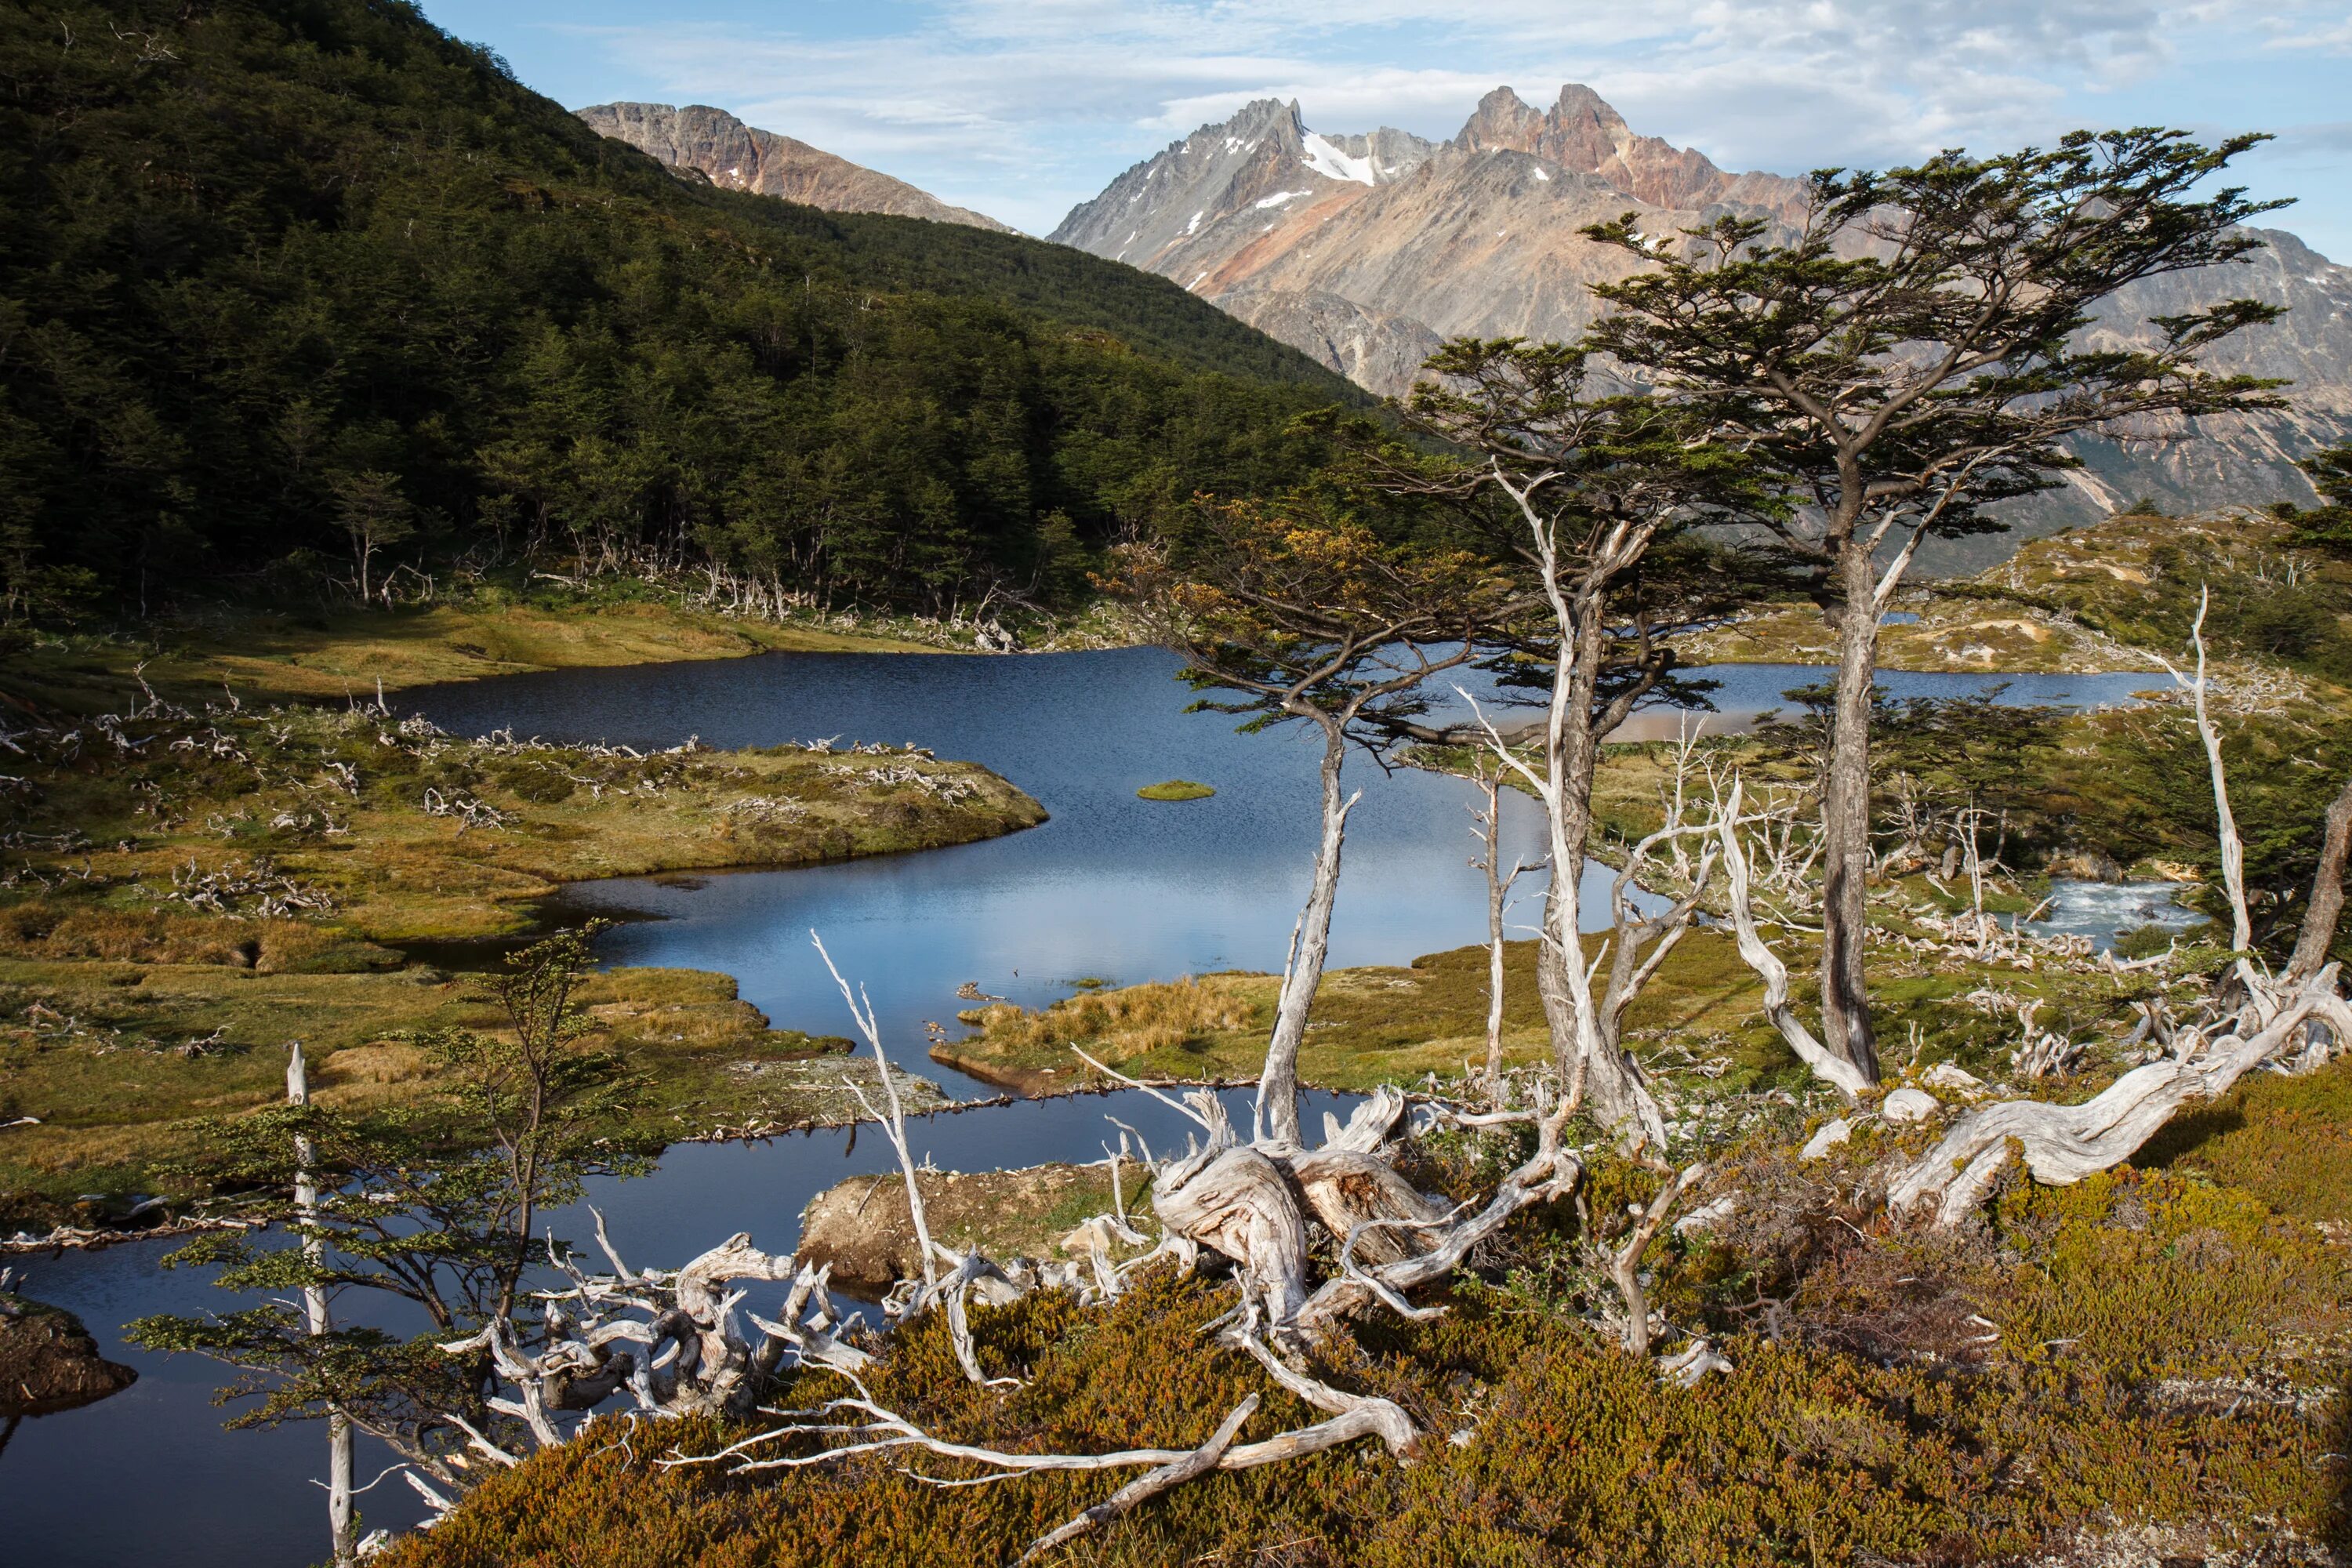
1022 108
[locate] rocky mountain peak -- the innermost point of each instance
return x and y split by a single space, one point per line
715 145
1502 121
1367 251
1582 132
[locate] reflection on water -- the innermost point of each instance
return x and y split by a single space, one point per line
1112 887
197 1497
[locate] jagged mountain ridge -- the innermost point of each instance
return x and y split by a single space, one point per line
1364 251
734 156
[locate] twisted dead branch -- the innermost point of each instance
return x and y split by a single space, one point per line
2063 1144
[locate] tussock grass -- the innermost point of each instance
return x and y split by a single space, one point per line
100 1052
265 657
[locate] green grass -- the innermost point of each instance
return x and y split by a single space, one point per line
1176 789
99 1052
151 971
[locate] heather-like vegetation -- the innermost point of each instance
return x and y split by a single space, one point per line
1793 1199
2081 1367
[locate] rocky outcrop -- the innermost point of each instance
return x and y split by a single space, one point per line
722 149
49 1360
1362 251
861 1226
1366 347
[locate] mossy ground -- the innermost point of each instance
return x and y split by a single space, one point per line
2145 1351
188 889
102 1053
373 817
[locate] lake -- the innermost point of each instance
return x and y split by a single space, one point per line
1112 887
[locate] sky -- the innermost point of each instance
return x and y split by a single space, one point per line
1021 109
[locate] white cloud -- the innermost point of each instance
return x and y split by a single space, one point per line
1021 108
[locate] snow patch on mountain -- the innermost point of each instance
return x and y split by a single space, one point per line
1332 163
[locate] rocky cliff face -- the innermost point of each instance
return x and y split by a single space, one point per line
1367 250
739 157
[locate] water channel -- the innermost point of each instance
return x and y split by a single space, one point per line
1111 888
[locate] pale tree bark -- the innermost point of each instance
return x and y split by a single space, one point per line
1829 1066
895 1124
1845 823
1498 892
1572 733
1278 1087
1626 1259
316 1320
2325 908
2233 848
2063 1144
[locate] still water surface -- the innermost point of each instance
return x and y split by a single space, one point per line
1112 887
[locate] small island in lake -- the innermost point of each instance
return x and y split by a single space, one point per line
1176 789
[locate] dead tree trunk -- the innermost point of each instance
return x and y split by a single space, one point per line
1277 1085
2234 849
316 1320
1832 1068
2063 1144
1498 891
2326 908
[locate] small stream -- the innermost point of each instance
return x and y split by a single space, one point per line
1112 887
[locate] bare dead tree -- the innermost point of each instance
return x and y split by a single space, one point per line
1489 828
317 1318
2249 1021
2324 909
2233 848
1586 492
1832 1068
2063 1144
1625 1258
1306 620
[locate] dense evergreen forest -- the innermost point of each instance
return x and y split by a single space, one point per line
297 292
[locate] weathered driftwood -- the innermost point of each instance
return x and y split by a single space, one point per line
842 1428
1238 1203
1345 1189
1625 1260
1551 1173
2065 1143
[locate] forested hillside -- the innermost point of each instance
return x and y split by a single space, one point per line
297 292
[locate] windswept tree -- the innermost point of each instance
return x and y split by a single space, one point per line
1590 497
438 1206
2328 526
1288 617
1914 354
